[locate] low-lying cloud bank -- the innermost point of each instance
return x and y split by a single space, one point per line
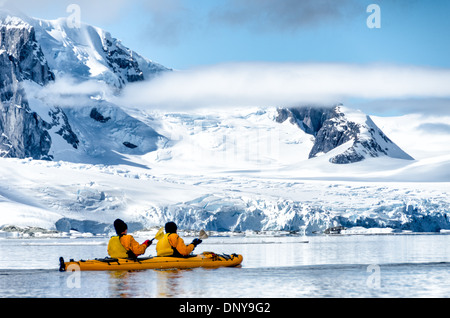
285 84
372 88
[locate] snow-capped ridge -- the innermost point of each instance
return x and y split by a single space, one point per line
87 52
92 53
334 127
72 67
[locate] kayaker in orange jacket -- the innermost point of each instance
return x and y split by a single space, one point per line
173 245
124 245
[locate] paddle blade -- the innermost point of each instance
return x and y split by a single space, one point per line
160 234
202 235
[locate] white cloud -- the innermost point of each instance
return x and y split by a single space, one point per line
67 91
285 84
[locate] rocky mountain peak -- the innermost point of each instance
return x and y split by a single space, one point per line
34 53
353 132
18 41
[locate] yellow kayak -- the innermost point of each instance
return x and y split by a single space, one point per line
206 259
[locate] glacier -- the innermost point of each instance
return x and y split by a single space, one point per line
209 182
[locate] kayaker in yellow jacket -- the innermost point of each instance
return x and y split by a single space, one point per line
124 245
173 245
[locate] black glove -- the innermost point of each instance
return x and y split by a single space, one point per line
196 241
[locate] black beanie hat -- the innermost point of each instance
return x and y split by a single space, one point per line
171 227
120 226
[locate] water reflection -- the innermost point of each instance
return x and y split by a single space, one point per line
159 283
185 282
120 285
169 282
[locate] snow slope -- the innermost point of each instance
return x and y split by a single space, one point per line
237 139
422 136
91 53
202 179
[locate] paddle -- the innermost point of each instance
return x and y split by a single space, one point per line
202 235
159 235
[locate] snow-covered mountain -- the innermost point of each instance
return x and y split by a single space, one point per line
299 169
40 52
36 54
91 53
84 52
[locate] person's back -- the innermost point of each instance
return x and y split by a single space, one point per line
173 245
116 248
124 245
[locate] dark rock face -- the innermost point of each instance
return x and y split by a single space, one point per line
129 145
23 132
19 42
10 76
121 61
97 116
61 123
335 131
309 119
332 128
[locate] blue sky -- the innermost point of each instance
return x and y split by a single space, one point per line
220 36
186 33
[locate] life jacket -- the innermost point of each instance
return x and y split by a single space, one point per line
163 247
116 249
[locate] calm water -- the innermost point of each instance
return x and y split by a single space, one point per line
326 266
